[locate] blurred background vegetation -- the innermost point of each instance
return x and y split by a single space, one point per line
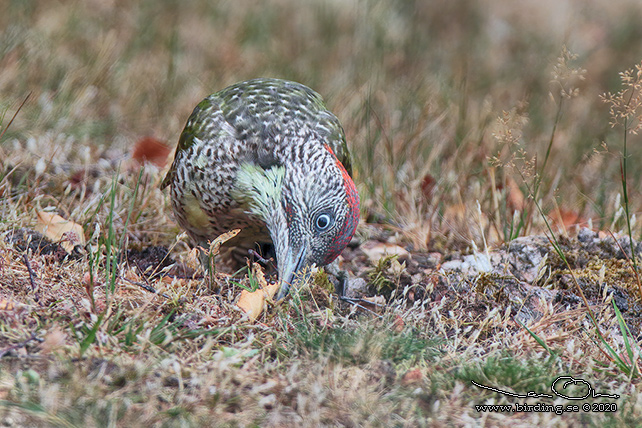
418 85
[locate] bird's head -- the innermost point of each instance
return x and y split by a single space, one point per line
309 204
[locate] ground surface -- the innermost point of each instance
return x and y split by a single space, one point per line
417 329
497 159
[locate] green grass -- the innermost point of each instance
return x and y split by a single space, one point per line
517 375
363 344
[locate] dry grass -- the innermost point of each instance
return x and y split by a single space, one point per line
445 104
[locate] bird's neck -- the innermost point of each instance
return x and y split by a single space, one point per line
260 191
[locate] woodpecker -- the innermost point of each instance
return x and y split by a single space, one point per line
266 156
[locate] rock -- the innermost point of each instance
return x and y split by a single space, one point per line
427 261
624 243
621 298
586 235
375 251
476 263
526 255
355 288
532 302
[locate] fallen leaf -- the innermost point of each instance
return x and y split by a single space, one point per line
398 323
149 149
215 245
514 197
212 251
567 219
6 305
56 228
412 377
428 184
253 302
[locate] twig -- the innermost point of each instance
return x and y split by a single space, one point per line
361 300
259 257
18 345
15 114
34 287
358 305
145 287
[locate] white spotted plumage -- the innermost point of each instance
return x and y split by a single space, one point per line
266 156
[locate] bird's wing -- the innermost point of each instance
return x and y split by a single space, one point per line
262 106
206 123
255 108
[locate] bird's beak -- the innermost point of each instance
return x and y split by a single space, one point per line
289 267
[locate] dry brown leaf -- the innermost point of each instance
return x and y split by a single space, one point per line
149 149
193 260
428 186
412 377
215 245
56 228
515 197
253 302
398 324
567 219
6 305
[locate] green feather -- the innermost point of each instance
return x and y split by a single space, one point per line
259 189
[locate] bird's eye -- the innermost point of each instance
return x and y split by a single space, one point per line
323 222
